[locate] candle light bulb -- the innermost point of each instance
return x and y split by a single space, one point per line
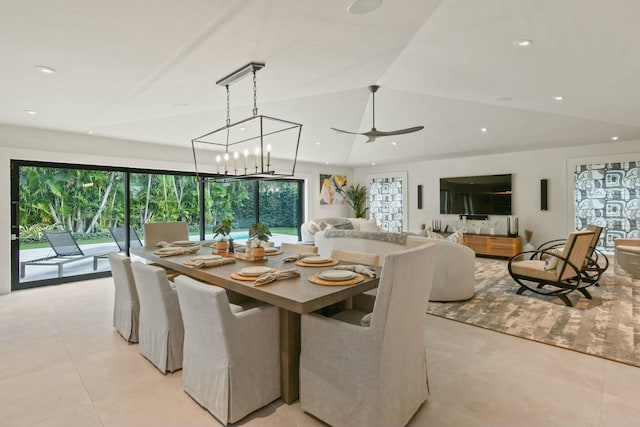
218 164
226 159
268 156
246 153
235 161
257 151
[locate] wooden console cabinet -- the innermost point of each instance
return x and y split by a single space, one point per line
493 245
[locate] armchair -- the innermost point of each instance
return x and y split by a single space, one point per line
565 276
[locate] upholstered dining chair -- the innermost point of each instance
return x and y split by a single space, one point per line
376 375
126 307
356 257
161 332
295 248
155 232
231 360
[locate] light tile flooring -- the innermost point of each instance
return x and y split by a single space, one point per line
61 363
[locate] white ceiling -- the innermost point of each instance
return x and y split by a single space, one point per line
146 70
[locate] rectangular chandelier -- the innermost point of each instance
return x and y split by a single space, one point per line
258 147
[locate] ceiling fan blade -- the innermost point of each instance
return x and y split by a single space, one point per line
346 131
399 131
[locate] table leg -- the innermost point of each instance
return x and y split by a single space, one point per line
289 355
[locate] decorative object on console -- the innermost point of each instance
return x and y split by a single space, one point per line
436 225
244 147
528 246
512 226
375 133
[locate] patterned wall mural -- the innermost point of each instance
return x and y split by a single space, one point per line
608 195
385 202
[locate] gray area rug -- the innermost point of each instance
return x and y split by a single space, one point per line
607 326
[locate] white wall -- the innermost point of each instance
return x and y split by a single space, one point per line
20 143
528 168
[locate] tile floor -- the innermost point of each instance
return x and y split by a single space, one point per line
61 363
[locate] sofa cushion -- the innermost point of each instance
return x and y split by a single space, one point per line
551 262
369 225
456 237
396 238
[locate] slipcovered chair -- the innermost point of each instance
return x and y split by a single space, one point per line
356 257
298 249
155 232
231 352
560 269
595 262
126 307
355 375
161 333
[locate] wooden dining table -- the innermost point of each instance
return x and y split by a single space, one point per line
294 297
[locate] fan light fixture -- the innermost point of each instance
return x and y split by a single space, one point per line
375 133
244 149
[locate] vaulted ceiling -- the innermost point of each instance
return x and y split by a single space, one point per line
146 70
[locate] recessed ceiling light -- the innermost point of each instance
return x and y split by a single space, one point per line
360 7
614 138
90 132
44 70
317 142
394 143
33 113
503 98
243 128
558 98
484 129
326 163
373 163
523 42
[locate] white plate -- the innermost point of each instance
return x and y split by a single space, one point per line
316 259
205 257
337 275
255 271
268 250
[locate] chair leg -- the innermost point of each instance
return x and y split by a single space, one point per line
585 292
521 290
565 300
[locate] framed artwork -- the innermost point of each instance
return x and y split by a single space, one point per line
332 189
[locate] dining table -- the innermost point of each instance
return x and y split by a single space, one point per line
293 296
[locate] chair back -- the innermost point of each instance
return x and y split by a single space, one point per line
119 235
403 293
356 257
155 293
155 232
63 243
298 249
575 250
126 304
597 230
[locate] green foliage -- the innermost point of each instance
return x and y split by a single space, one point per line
223 229
356 196
34 232
259 232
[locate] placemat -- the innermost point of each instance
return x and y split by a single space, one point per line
318 281
237 276
301 263
273 253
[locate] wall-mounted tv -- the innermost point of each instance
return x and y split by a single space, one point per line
476 195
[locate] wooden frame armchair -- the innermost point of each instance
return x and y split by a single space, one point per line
595 262
564 277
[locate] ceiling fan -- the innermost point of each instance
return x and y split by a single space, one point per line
375 133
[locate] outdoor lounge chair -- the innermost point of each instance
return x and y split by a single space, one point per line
537 275
66 250
595 262
120 237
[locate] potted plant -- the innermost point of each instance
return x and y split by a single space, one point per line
225 244
356 196
258 233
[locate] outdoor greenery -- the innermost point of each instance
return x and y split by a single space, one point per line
88 202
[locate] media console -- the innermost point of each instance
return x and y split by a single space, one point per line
493 245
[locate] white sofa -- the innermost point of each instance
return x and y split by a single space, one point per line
455 265
310 228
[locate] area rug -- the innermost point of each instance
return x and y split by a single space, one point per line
606 326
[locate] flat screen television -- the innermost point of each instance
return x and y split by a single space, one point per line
476 195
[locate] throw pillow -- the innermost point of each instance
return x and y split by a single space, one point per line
369 225
552 261
456 237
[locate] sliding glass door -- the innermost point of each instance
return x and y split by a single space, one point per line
66 217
